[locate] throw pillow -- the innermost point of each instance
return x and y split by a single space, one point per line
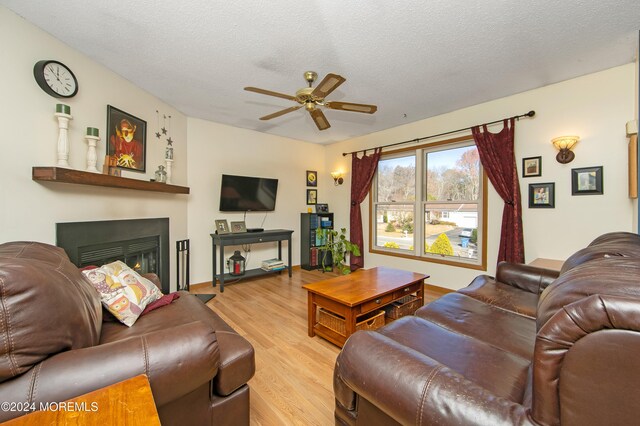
123 291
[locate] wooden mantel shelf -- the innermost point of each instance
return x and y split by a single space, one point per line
62 175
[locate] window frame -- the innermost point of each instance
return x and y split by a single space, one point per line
420 202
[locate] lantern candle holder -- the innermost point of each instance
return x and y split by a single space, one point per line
236 264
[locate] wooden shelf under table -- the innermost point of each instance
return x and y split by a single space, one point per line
63 175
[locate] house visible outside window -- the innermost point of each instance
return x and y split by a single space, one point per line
429 203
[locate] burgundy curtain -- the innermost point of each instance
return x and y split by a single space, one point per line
362 171
498 159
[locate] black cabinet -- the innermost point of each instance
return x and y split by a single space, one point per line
310 255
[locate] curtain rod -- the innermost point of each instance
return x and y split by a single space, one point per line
416 140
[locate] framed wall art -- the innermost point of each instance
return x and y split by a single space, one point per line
322 208
542 195
312 196
531 167
126 139
312 178
586 181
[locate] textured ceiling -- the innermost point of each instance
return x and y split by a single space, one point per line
415 57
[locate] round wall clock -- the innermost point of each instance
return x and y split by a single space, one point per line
55 78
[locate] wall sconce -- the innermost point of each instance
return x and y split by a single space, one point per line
337 178
564 144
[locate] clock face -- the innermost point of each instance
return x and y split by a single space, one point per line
55 79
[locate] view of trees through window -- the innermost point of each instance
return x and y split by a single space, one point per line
396 196
450 182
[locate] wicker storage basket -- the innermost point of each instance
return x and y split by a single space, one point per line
335 322
401 307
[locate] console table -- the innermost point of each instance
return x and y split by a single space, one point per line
223 240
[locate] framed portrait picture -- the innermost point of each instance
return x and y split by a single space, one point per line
531 166
222 227
586 181
322 208
126 140
542 195
312 196
312 178
237 227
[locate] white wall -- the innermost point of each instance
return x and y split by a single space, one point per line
595 107
30 210
216 149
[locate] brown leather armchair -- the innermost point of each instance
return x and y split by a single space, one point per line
528 347
55 344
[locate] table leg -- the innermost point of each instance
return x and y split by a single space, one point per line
289 254
311 314
420 292
213 263
350 324
221 268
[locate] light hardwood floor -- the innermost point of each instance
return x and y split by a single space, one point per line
293 384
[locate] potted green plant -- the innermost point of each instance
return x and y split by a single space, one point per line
335 248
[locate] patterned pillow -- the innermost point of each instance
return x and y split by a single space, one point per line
123 291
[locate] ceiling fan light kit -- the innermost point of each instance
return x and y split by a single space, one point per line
311 98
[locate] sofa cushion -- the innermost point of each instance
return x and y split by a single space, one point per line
607 276
46 306
616 237
502 373
479 320
504 296
604 250
122 290
237 361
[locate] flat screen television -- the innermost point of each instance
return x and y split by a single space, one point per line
248 194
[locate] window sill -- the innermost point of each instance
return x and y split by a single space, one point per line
442 261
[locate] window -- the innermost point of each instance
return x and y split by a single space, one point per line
429 203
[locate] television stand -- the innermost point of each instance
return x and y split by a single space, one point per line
222 240
255 229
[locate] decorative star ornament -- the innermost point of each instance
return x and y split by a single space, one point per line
164 130
169 141
158 135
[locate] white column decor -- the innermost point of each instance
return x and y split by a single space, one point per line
168 169
92 137
63 113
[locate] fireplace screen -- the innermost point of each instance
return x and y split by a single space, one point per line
143 244
140 254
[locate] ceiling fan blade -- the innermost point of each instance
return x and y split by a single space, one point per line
279 113
328 85
320 119
347 106
270 93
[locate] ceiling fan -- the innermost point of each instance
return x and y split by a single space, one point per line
311 98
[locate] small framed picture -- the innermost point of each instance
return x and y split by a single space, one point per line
531 167
222 227
237 227
126 139
542 195
312 196
312 178
322 208
586 181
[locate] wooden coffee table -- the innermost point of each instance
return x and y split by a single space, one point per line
356 294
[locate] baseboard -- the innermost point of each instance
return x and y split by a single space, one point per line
436 290
208 283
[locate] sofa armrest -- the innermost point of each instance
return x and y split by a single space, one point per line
525 277
176 360
413 388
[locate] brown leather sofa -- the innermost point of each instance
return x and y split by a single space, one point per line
528 347
55 344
